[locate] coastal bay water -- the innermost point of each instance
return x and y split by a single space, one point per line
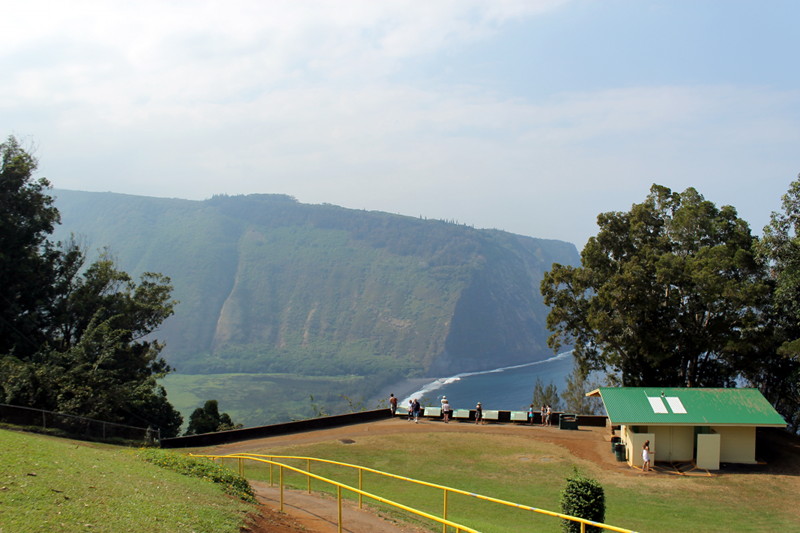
508 388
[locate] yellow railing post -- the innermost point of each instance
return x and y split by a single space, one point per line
280 476
241 467
444 515
583 527
360 487
308 469
271 484
339 498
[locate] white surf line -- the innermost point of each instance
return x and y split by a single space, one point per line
441 382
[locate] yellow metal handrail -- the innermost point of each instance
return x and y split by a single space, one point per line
446 490
459 528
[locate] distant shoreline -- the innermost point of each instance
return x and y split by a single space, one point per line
401 389
429 387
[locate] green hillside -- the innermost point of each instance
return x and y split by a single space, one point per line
52 484
268 285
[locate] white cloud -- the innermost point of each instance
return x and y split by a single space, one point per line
308 98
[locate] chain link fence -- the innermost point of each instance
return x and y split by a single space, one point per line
78 426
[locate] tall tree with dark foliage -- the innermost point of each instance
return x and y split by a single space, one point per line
74 340
777 372
669 293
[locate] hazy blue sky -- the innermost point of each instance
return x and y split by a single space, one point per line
530 116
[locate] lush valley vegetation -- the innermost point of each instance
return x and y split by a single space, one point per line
348 299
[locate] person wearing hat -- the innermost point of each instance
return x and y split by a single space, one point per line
445 410
478 413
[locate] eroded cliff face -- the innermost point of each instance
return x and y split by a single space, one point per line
269 284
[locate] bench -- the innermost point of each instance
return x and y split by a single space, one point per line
403 412
461 413
519 416
568 421
491 414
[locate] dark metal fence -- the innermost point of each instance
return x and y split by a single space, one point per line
237 435
78 426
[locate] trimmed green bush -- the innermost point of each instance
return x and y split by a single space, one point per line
584 498
232 483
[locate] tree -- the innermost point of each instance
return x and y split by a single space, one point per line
108 365
669 293
27 258
207 419
780 246
545 395
574 395
777 373
74 340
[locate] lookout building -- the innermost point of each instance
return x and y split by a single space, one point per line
707 426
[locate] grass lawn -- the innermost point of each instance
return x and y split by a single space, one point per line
54 484
531 472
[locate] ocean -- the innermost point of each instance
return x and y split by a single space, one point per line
509 388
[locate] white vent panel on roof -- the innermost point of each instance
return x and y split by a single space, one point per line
657 405
676 405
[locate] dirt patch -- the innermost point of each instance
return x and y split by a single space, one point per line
303 512
269 520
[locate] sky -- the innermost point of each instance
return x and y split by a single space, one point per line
529 116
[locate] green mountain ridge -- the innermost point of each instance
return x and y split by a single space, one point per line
270 285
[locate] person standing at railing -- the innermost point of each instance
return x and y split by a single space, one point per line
478 413
416 407
393 403
445 409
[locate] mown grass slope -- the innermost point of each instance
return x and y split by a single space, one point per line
54 484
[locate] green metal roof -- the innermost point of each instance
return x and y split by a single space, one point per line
682 406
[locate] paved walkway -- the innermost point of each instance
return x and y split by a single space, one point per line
319 512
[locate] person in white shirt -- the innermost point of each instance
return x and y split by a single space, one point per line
445 410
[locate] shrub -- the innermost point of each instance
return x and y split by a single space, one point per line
232 483
583 498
